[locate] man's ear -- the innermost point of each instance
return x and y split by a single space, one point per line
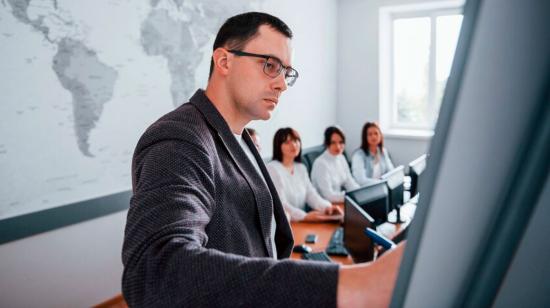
222 61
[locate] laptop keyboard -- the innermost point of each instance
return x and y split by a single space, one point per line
317 256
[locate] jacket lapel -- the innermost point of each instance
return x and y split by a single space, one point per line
264 193
283 232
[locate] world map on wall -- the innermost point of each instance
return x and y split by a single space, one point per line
81 81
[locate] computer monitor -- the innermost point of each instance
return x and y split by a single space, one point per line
373 199
416 167
394 180
360 246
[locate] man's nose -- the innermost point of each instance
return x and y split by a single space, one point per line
280 83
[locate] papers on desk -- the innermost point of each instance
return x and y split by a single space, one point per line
414 199
407 213
386 229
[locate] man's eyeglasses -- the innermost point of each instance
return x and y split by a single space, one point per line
272 66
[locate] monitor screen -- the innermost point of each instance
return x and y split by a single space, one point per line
394 180
416 167
357 243
373 199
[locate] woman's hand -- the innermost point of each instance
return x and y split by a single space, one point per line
329 214
333 210
315 216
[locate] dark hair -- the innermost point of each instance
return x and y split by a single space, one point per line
239 29
282 135
331 130
364 137
250 131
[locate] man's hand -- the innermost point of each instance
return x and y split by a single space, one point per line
369 284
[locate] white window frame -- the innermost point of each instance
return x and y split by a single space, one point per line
388 111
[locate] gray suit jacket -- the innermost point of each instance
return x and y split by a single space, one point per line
198 227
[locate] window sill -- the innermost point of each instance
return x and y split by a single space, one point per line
408 134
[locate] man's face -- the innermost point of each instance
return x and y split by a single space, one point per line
254 93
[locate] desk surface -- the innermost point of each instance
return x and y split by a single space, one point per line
324 232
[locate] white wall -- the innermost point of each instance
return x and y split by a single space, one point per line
358 81
403 150
75 266
81 265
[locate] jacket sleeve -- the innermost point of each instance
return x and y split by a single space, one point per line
388 160
166 263
350 183
358 168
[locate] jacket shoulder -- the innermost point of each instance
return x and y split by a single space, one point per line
185 124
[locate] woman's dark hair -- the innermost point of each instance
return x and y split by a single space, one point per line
331 130
281 136
239 29
364 137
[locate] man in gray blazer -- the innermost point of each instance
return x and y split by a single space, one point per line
205 226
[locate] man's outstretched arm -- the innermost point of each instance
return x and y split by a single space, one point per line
370 284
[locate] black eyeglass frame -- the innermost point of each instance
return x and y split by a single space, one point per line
290 73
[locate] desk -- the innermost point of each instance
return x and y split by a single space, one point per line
324 232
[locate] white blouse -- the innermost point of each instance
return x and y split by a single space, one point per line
376 169
295 190
330 174
367 169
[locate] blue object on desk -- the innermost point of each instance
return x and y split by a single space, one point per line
379 239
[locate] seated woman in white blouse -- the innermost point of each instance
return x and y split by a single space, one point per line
292 181
371 160
330 173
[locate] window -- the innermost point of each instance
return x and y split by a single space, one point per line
417 44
